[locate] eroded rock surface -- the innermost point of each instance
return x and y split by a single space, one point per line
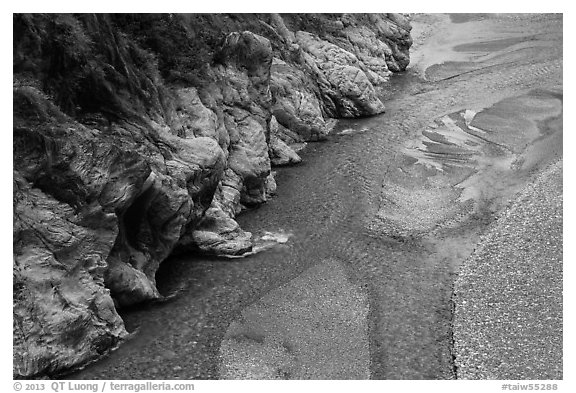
101 210
346 89
63 313
138 136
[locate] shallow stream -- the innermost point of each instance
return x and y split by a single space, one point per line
395 201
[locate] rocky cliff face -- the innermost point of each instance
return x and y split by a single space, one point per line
138 136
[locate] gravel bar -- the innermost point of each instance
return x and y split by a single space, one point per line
508 296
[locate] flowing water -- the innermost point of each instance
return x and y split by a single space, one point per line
381 213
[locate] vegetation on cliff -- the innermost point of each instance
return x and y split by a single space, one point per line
139 135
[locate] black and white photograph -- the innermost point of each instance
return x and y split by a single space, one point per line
314 196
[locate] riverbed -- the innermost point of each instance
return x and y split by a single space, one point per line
376 220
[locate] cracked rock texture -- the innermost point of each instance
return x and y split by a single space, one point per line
136 136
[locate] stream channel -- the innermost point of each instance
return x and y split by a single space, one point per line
369 230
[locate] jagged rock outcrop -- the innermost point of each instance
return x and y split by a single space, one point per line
139 136
241 90
63 314
280 153
346 90
95 213
296 105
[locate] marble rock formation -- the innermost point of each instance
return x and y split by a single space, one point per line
137 136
